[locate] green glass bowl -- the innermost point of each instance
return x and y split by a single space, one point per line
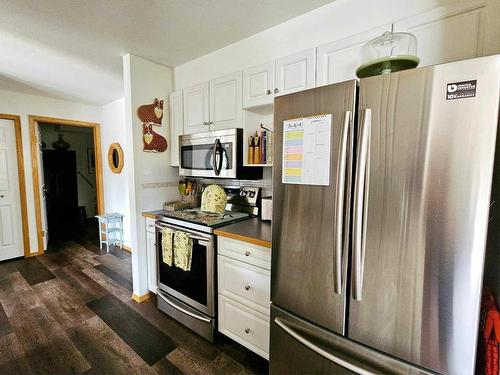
388 64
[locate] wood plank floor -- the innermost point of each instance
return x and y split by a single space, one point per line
70 311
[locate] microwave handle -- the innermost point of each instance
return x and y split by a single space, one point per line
217 162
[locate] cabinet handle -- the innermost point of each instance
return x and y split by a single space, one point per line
276 90
268 92
247 330
247 287
1 196
210 123
204 122
247 253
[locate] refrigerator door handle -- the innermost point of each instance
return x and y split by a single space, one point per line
360 208
318 350
339 206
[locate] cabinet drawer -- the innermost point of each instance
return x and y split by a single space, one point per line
244 325
246 252
150 225
244 283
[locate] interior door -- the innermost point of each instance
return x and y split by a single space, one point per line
296 72
11 240
225 102
196 108
43 189
421 205
258 85
309 222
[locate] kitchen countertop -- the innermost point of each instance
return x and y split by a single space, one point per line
152 214
254 231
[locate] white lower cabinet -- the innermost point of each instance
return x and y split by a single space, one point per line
244 288
151 254
244 325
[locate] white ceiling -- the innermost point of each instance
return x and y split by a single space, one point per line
72 49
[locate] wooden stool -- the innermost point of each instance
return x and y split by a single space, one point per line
110 230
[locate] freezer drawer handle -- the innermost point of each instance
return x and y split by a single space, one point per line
333 358
181 309
360 206
339 206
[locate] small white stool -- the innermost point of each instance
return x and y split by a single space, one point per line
111 226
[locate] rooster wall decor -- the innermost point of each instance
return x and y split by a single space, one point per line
151 115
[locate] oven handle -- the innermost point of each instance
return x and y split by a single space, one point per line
181 309
160 227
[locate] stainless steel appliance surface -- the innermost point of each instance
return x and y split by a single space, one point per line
215 154
412 236
189 296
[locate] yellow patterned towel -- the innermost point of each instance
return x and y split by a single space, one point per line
167 235
183 250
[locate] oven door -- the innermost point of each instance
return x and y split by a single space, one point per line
212 154
197 286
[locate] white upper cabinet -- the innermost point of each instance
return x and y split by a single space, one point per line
196 108
258 85
338 61
449 33
296 72
176 125
225 102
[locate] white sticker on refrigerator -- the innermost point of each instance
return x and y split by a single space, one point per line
306 150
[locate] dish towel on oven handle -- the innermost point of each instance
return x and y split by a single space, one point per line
183 250
167 248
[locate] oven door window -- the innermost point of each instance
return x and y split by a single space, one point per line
193 283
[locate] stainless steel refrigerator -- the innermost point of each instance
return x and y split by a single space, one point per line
381 271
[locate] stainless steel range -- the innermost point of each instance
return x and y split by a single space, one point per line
189 296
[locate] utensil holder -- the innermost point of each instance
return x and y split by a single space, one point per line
193 200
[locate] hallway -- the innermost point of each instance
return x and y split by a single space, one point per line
70 311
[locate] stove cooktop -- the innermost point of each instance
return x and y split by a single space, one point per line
208 219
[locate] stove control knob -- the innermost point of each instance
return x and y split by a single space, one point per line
247 330
247 253
252 194
247 287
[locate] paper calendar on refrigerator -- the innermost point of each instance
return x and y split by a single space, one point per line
306 150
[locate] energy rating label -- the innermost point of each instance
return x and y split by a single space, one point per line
306 150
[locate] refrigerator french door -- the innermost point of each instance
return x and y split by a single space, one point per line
421 183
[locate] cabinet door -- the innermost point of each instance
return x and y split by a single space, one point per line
176 126
151 255
258 85
225 102
448 33
338 61
296 72
196 108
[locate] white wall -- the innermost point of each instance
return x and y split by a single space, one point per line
80 140
153 180
23 105
116 185
335 21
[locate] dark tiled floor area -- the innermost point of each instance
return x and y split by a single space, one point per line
70 311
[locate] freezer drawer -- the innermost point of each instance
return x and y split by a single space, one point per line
299 347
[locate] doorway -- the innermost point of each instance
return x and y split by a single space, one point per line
67 173
14 238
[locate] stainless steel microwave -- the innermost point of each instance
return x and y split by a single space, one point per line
215 154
